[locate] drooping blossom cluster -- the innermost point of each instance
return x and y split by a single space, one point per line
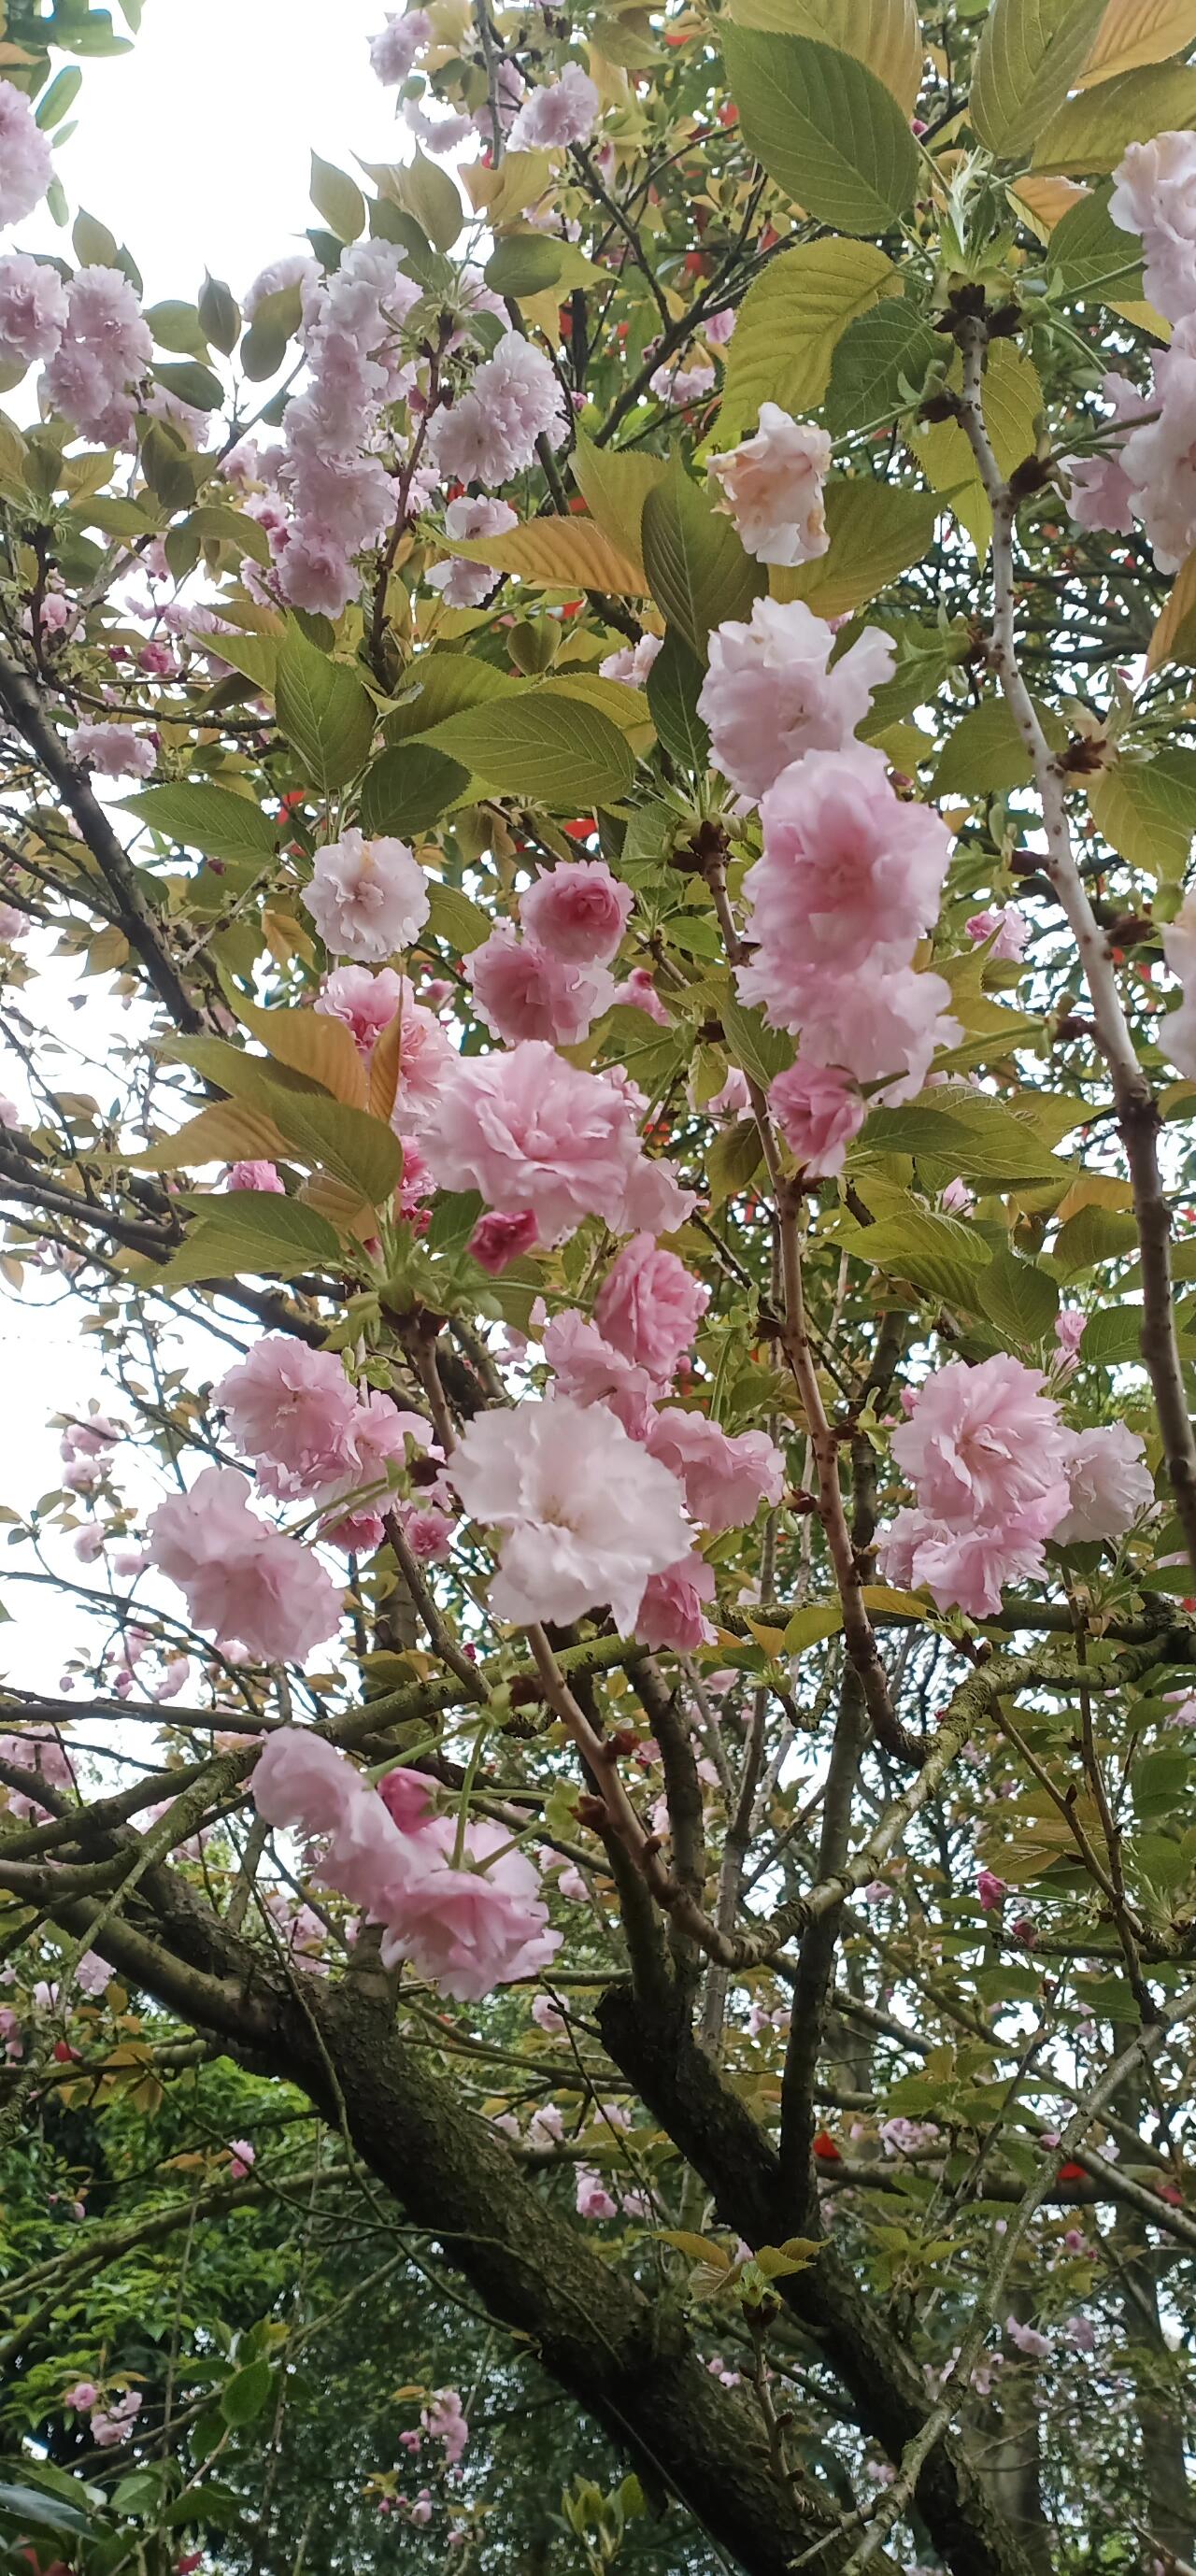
848 883
561 112
393 52
490 432
771 486
366 898
341 494
996 1473
771 692
102 356
26 166
1150 475
467 1919
114 750
553 982
1154 195
33 309
242 1579
310 1435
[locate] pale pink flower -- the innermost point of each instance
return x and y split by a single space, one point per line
497 1241
769 696
720 327
1154 195
649 1306
407 1798
33 308
671 1613
316 573
393 52
849 876
295 268
1035 2346
82 2397
13 924
655 1202
255 1176
536 1136
462 583
561 113
984 1445
93 1974
592 2197
956 1199
771 486
546 2017
10 1116
427 1061
881 1023
678 386
589 1368
105 350
640 993
114 750
367 898
1109 1481
1177 1032
490 434
632 662
291 1410
1012 929
364 1003
302 1781
26 165
43 1759
968 1567
1070 1323
578 911
1159 457
445 2421
587 1514
429 1534
818 1110
240 1578
468 1930
243 2158
726 1476
733 1100
525 991
1099 491
114 2422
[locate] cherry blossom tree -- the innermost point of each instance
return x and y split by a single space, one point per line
596 781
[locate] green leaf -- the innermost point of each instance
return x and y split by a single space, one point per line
1026 61
255 1231
178 326
55 101
808 1627
327 1135
29 2508
219 314
1019 1298
1146 809
788 325
986 753
211 819
880 367
456 919
759 1052
407 789
876 530
615 483
541 743
422 190
1094 1235
883 34
1112 1337
935 1253
1090 134
440 685
192 383
976 1136
93 245
453 1220
265 343
338 199
243 2397
1088 254
524 264
828 132
323 711
694 560
674 682
735 1156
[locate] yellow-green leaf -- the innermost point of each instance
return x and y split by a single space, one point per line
695 562
254 1231
876 530
559 554
614 484
1028 56
789 323
809 1626
829 133
312 1043
1134 32
882 34
323 711
543 744
1090 134
338 199
1174 636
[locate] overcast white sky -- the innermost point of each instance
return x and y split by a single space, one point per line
194 149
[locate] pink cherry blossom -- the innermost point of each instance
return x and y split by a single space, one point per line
537 1136
561 113
632 662
771 486
114 750
770 694
82 2397
849 875
726 1476
105 351
393 52
1158 456
367 898
26 165
243 2158
588 1515
592 2197
990 1890
578 911
462 583
1109 1481
982 1443
524 991
33 309
365 1003
497 1241
241 1578
1177 1032
649 1306
671 1613
255 1176
292 1411
42 1758
965 1566
468 1930
881 1023
490 434
1012 931
818 1110
295 268
1154 195
589 1368
1100 493
1035 2346
113 2423
444 2420
300 1780
1069 1333
640 993
680 386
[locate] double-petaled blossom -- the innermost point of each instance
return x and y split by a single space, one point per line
1010 926
882 1023
1099 491
1159 456
497 1241
291 1410
341 492
632 662
113 750
1154 195
1109 1483
587 1515
819 1110
725 1475
1177 1032
33 309
364 1003
461 582
672 1613
393 52
986 1453
771 486
366 898
771 693
586 1366
649 1306
578 911
26 166
255 1176
525 991
539 1137
563 112
104 352
241 1578
490 434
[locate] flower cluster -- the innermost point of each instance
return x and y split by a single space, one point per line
490 434
366 898
100 356
293 1411
771 692
242 1579
341 494
541 1138
553 982
26 167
